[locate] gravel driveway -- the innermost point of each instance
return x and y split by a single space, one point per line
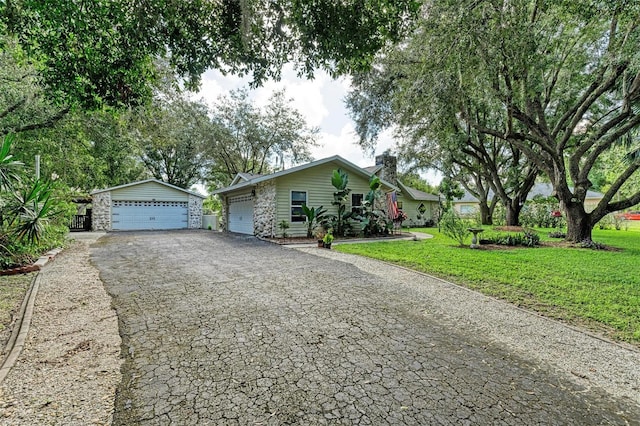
220 329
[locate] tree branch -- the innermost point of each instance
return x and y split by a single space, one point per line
46 123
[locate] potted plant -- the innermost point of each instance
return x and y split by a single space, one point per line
327 240
320 236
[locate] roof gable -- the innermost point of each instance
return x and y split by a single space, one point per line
341 162
416 194
243 177
146 181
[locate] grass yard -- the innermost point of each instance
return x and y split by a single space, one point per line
594 288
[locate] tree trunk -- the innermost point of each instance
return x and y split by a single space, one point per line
578 224
512 211
485 214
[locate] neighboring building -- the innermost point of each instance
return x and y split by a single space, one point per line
255 204
468 204
146 205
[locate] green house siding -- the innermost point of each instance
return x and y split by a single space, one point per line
316 182
410 207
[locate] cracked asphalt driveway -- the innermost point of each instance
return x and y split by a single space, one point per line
221 329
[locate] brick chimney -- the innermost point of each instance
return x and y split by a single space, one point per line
389 171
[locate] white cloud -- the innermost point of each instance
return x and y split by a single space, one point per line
343 144
320 101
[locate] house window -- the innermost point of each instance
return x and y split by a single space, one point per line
467 209
399 203
356 203
298 198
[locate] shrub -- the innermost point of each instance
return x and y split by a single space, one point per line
539 212
454 227
592 245
527 238
33 213
557 234
284 225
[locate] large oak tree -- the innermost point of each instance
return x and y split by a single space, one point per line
563 75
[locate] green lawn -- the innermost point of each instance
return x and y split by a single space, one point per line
594 288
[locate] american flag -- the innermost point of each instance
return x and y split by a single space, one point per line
392 205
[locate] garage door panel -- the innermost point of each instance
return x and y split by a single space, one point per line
142 215
241 214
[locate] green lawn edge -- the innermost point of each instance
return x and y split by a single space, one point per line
596 289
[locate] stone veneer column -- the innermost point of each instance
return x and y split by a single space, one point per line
101 212
223 213
264 209
195 212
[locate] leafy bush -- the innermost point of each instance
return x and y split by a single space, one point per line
34 215
557 234
592 245
284 225
610 221
454 227
499 216
211 205
315 216
539 212
527 239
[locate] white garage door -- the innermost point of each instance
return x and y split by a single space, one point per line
241 214
137 215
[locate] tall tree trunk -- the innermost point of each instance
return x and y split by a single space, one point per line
579 227
512 210
485 214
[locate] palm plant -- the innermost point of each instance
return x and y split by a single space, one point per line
9 168
340 180
314 217
31 210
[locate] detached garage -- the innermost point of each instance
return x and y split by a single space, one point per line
146 205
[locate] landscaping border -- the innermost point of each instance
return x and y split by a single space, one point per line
21 327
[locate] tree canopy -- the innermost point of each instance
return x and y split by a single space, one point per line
560 81
248 139
101 51
171 135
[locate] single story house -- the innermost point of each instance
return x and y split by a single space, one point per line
419 206
468 204
146 205
255 204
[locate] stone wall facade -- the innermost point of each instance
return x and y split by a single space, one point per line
101 213
224 214
195 212
264 209
389 171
